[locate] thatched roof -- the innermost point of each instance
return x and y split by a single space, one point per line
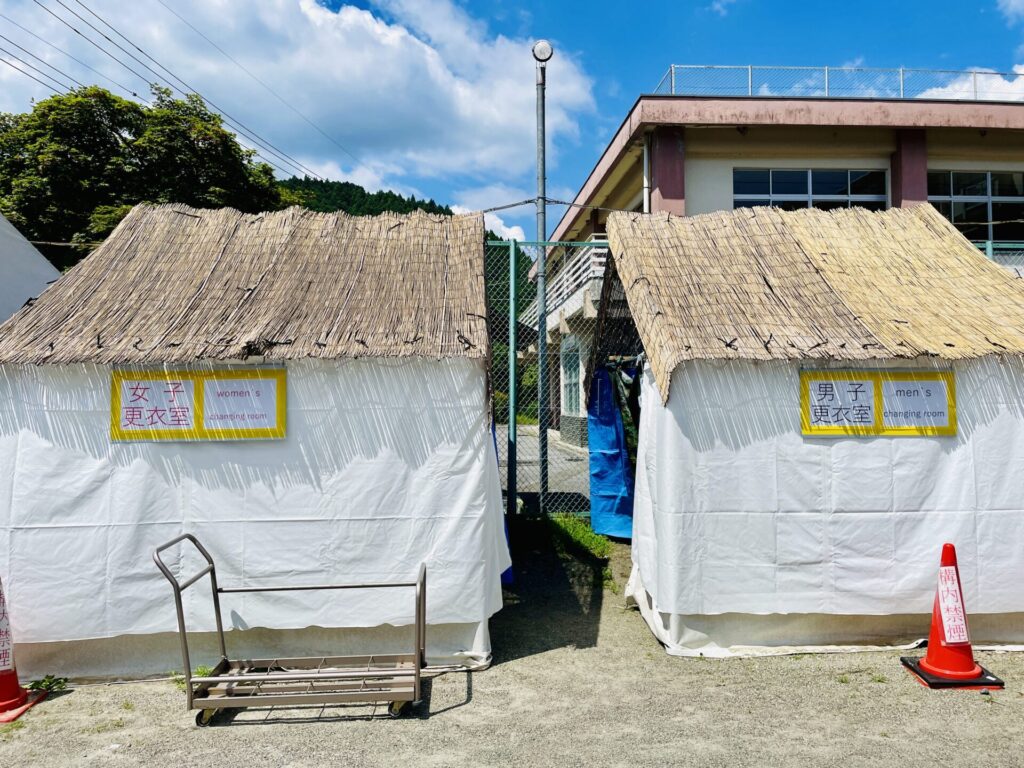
174 284
849 284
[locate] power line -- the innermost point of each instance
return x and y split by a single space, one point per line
143 78
92 42
41 61
245 69
35 69
124 88
26 74
281 154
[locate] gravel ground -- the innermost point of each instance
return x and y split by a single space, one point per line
577 681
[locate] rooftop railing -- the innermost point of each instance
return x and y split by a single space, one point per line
841 83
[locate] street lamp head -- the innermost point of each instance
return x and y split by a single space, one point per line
542 51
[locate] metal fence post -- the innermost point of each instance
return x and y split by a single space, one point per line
901 82
672 79
826 81
974 79
750 80
513 380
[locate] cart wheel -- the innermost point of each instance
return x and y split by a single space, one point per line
398 708
205 716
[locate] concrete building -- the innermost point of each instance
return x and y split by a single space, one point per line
718 138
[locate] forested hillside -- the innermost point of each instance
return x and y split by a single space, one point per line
318 195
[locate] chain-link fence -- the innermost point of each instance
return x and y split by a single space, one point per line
542 446
840 82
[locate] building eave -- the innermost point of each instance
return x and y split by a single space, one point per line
650 112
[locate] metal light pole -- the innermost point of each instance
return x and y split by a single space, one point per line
542 53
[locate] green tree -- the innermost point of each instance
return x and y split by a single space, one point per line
327 196
72 167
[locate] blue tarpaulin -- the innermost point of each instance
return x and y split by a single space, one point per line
611 476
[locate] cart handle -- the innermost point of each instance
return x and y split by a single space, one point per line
167 571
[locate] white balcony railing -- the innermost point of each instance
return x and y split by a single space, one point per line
581 266
841 83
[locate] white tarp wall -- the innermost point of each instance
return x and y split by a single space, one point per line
25 271
385 464
748 534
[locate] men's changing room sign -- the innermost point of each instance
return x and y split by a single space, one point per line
207 405
837 403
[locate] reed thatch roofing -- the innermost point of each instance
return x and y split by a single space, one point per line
174 284
848 284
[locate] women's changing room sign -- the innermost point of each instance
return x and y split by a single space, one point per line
206 405
865 403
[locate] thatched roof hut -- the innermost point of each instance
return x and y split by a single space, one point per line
174 284
848 284
305 392
830 396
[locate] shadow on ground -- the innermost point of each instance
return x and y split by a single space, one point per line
554 600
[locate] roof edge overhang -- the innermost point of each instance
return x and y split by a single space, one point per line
650 112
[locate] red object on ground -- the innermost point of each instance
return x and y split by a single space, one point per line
14 699
949 662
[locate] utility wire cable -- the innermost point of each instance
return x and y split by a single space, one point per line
27 31
184 86
247 71
143 78
42 61
35 69
26 74
92 42
136 73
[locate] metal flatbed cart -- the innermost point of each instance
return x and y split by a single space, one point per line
236 683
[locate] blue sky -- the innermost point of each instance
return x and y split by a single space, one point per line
435 97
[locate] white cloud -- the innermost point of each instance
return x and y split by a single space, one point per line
427 93
721 7
492 195
496 224
1012 9
981 84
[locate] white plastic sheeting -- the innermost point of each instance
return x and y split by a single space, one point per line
385 464
25 271
746 533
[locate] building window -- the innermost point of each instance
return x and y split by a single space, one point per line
570 378
984 205
824 188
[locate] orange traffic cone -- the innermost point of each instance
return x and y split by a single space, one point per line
14 699
949 662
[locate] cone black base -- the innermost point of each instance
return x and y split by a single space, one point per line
985 680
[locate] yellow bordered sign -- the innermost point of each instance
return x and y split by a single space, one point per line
198 405
886 402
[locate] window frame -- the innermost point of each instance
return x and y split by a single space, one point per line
571 346
810 198
987 198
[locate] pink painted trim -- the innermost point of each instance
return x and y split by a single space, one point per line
651 111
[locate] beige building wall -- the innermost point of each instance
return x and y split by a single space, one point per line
712 154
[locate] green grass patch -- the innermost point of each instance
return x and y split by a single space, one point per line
49 683
608 578
106 727
573 531
7 730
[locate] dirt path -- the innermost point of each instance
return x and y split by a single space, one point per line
577 681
